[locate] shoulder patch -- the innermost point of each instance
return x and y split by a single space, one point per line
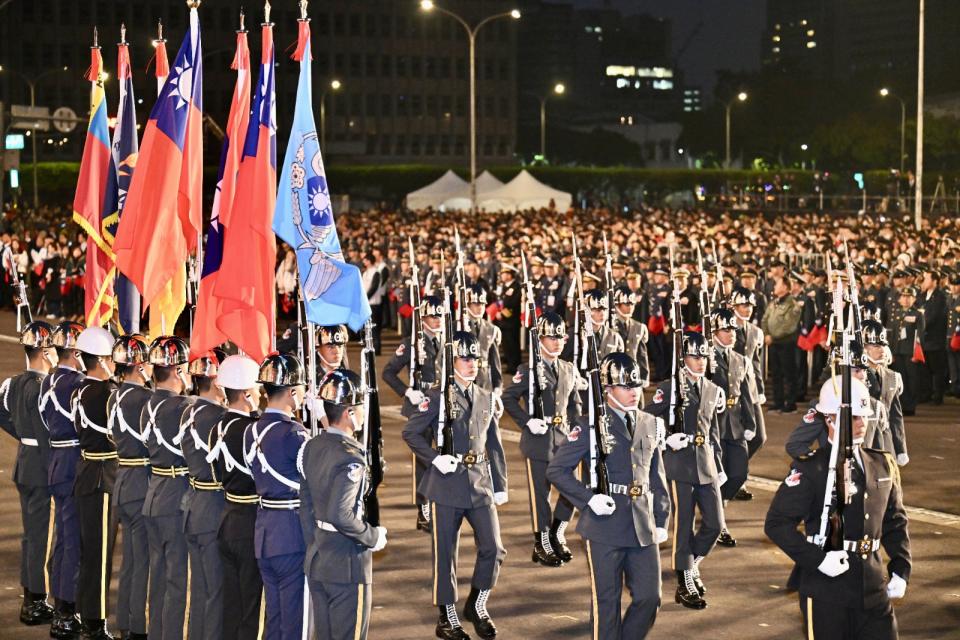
400 350
810 416
423 406
517 377
721 400
793 479
574 434
354 471
658 396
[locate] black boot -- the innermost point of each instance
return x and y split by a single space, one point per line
94 629
558 541
476 612
35 609
423 518
543 552
726 540
743 494
66 623
687 593
448 626
132 635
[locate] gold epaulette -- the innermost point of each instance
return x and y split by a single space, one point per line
894 468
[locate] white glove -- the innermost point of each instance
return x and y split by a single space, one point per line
762 399
500 497
602 505
315 406
645 384
749 435
896 587
445 464
381 539
722 478
415 397
834 564
537 426
498 402
902 460
582 383
677 441
661 535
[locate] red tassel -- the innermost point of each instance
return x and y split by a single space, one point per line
241 59
96 65
918 353
955 342
655 325
303 38
163 65
405 311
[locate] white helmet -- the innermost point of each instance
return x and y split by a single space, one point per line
238 373
95 341
829 402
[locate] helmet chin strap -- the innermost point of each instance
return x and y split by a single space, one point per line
475 316
742 318
720 345
246 396
552 354
619 405
327 363
357 427
49 358
467 379
187 384
690 372
80 366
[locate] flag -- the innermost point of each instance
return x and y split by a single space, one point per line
163 208
206 335
246 286
332 289
90 202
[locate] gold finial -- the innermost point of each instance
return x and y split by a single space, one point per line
266 12
160 31
194 4
123 33
96 39
303 9
243 21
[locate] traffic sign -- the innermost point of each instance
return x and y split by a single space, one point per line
11 159
15 141
27 117
14 179
64 120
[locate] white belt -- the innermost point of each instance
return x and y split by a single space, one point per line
326 526
627 489
478 458
266 503
30 442
867 545
64 444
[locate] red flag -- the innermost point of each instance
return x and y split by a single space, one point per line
918 355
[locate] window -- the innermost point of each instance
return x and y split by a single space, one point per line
338 63
489 107
356 65
322 60
445 67
401 27
415 146
504 70
371 66
416 105
444 145
504 107
650 151
355 29
460 146
401 149
322 24
503 148
430 64
386 104
666 150
415 68
338 24
384 26
446 106
401 66
432 106
386 66
402 107
371 109
340 104
371 144
488 146
371 23
356 104
431 146
461 106
385 144
488 64
461 68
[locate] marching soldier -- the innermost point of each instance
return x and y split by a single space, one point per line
270 449
20 417
160 424
885 385
425 343
96 475
622 530
845 593
340 544
131 362
694 468
509 319
539 439
634 333
242 584
749 344
599 309
906 327
488 334
203 504
56 392
331 349
468 484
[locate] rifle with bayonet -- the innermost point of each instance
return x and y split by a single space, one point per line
372 426
449 409
535 358
705 316
608 281
460 285
678 390
855 318
416 330
19 288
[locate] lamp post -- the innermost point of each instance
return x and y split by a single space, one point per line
884 92
427 6
741 97
918 194
335 85
558 90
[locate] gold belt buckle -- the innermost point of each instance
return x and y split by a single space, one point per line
698 439
865 546
469 459
635 490
557 420
731 402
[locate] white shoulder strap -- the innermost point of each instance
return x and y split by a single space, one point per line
5 391
220 448
85 422
117 417
256 451
156 431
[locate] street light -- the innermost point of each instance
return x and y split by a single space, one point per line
427 6
884 93
741 97
335 85
558 90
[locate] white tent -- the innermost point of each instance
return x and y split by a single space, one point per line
435 193
486 182
524 192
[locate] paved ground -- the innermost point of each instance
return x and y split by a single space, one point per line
746 595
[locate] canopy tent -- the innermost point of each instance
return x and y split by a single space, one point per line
486 182
523 192
434 194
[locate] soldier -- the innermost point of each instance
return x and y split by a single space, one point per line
657 303
160 424
131 361
490 376
203 503
20 417
340 544
599 309
621 530
694 468
509 319
906 327
933 339
750 345
242 584
845 593
270 450
552 294
468 484
539 438
56 392
953 335
634 333
426 346
886 386
331 349
96 474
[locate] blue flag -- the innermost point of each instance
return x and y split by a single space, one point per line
332 290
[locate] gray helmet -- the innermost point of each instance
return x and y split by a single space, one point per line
341 387
475 294
207 365
742 295
618 369
131 350
431 306
622 294
596 299
695 345
551 325
281 370
169 351
857 359
870 311
65 335
37 334
723 319
874 333
335 334
465 345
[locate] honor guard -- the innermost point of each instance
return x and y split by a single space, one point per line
541 435
96 476
845 593
749 344
737 424
466 484
420 356
331 350
271 447
608 341
132 368
56 393
340 543
634 333
490 375
621 530
242 584
160 424
20 417
203 504
694 468
886 386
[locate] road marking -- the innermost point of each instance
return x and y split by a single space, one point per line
6 338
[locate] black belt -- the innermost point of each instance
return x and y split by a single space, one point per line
205 485
469 459
242 499
633 490
170 472
94 456
134 462
280 505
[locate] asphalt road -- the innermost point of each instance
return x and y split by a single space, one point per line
746 593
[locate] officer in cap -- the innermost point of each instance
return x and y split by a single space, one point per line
340 543
132 368
907 325
845 593
159 425
749 343
694 467
271 446
56 393
203 503
96 474
886 386
242 584
468 484
509 292
634 333
953 335
490 376
539 438
20 417
622 529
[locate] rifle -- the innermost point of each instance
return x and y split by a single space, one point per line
678 390
705 313
856 319
608 277
535 358
449 409
372 427
416 331
20 289
460 284
577 308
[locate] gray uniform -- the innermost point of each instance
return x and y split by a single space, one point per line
621 547
489 371
737 421
749 344
466 493
339 560
635 337
886 432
